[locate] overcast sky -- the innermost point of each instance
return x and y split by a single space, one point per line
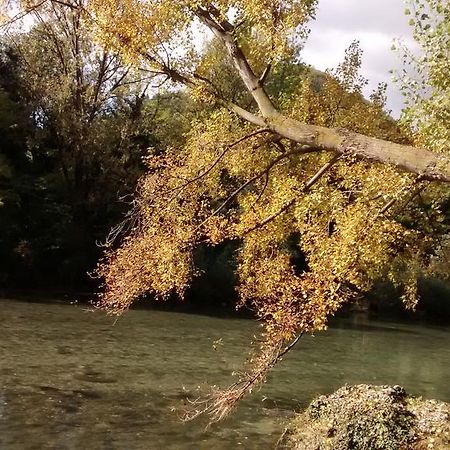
375 24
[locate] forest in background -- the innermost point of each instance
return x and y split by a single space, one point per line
75 127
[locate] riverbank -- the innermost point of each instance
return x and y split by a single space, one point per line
382 303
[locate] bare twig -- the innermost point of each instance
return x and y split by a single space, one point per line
394 200
289 347
265 74
320 173
221 402
266 182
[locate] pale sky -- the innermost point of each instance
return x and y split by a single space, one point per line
375 24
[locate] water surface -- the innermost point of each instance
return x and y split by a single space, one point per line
71 378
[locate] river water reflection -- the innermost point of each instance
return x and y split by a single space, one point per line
72 379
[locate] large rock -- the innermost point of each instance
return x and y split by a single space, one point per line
367 417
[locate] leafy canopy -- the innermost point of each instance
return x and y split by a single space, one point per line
352 221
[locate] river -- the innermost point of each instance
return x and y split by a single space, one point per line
73 378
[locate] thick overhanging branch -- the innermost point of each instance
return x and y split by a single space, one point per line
224 31
247 115
430 166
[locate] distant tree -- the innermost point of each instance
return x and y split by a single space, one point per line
425 83
424 80
15 179
88 123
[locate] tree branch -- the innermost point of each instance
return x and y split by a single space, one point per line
320 173
219 158
265 74
309 184
429 165
224 31
252 180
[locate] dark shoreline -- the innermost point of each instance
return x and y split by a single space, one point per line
375 310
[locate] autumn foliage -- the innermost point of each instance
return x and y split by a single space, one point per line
352 220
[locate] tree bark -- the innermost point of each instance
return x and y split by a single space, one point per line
428 165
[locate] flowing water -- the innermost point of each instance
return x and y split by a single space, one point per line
71 378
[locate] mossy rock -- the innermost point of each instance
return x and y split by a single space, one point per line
367 417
